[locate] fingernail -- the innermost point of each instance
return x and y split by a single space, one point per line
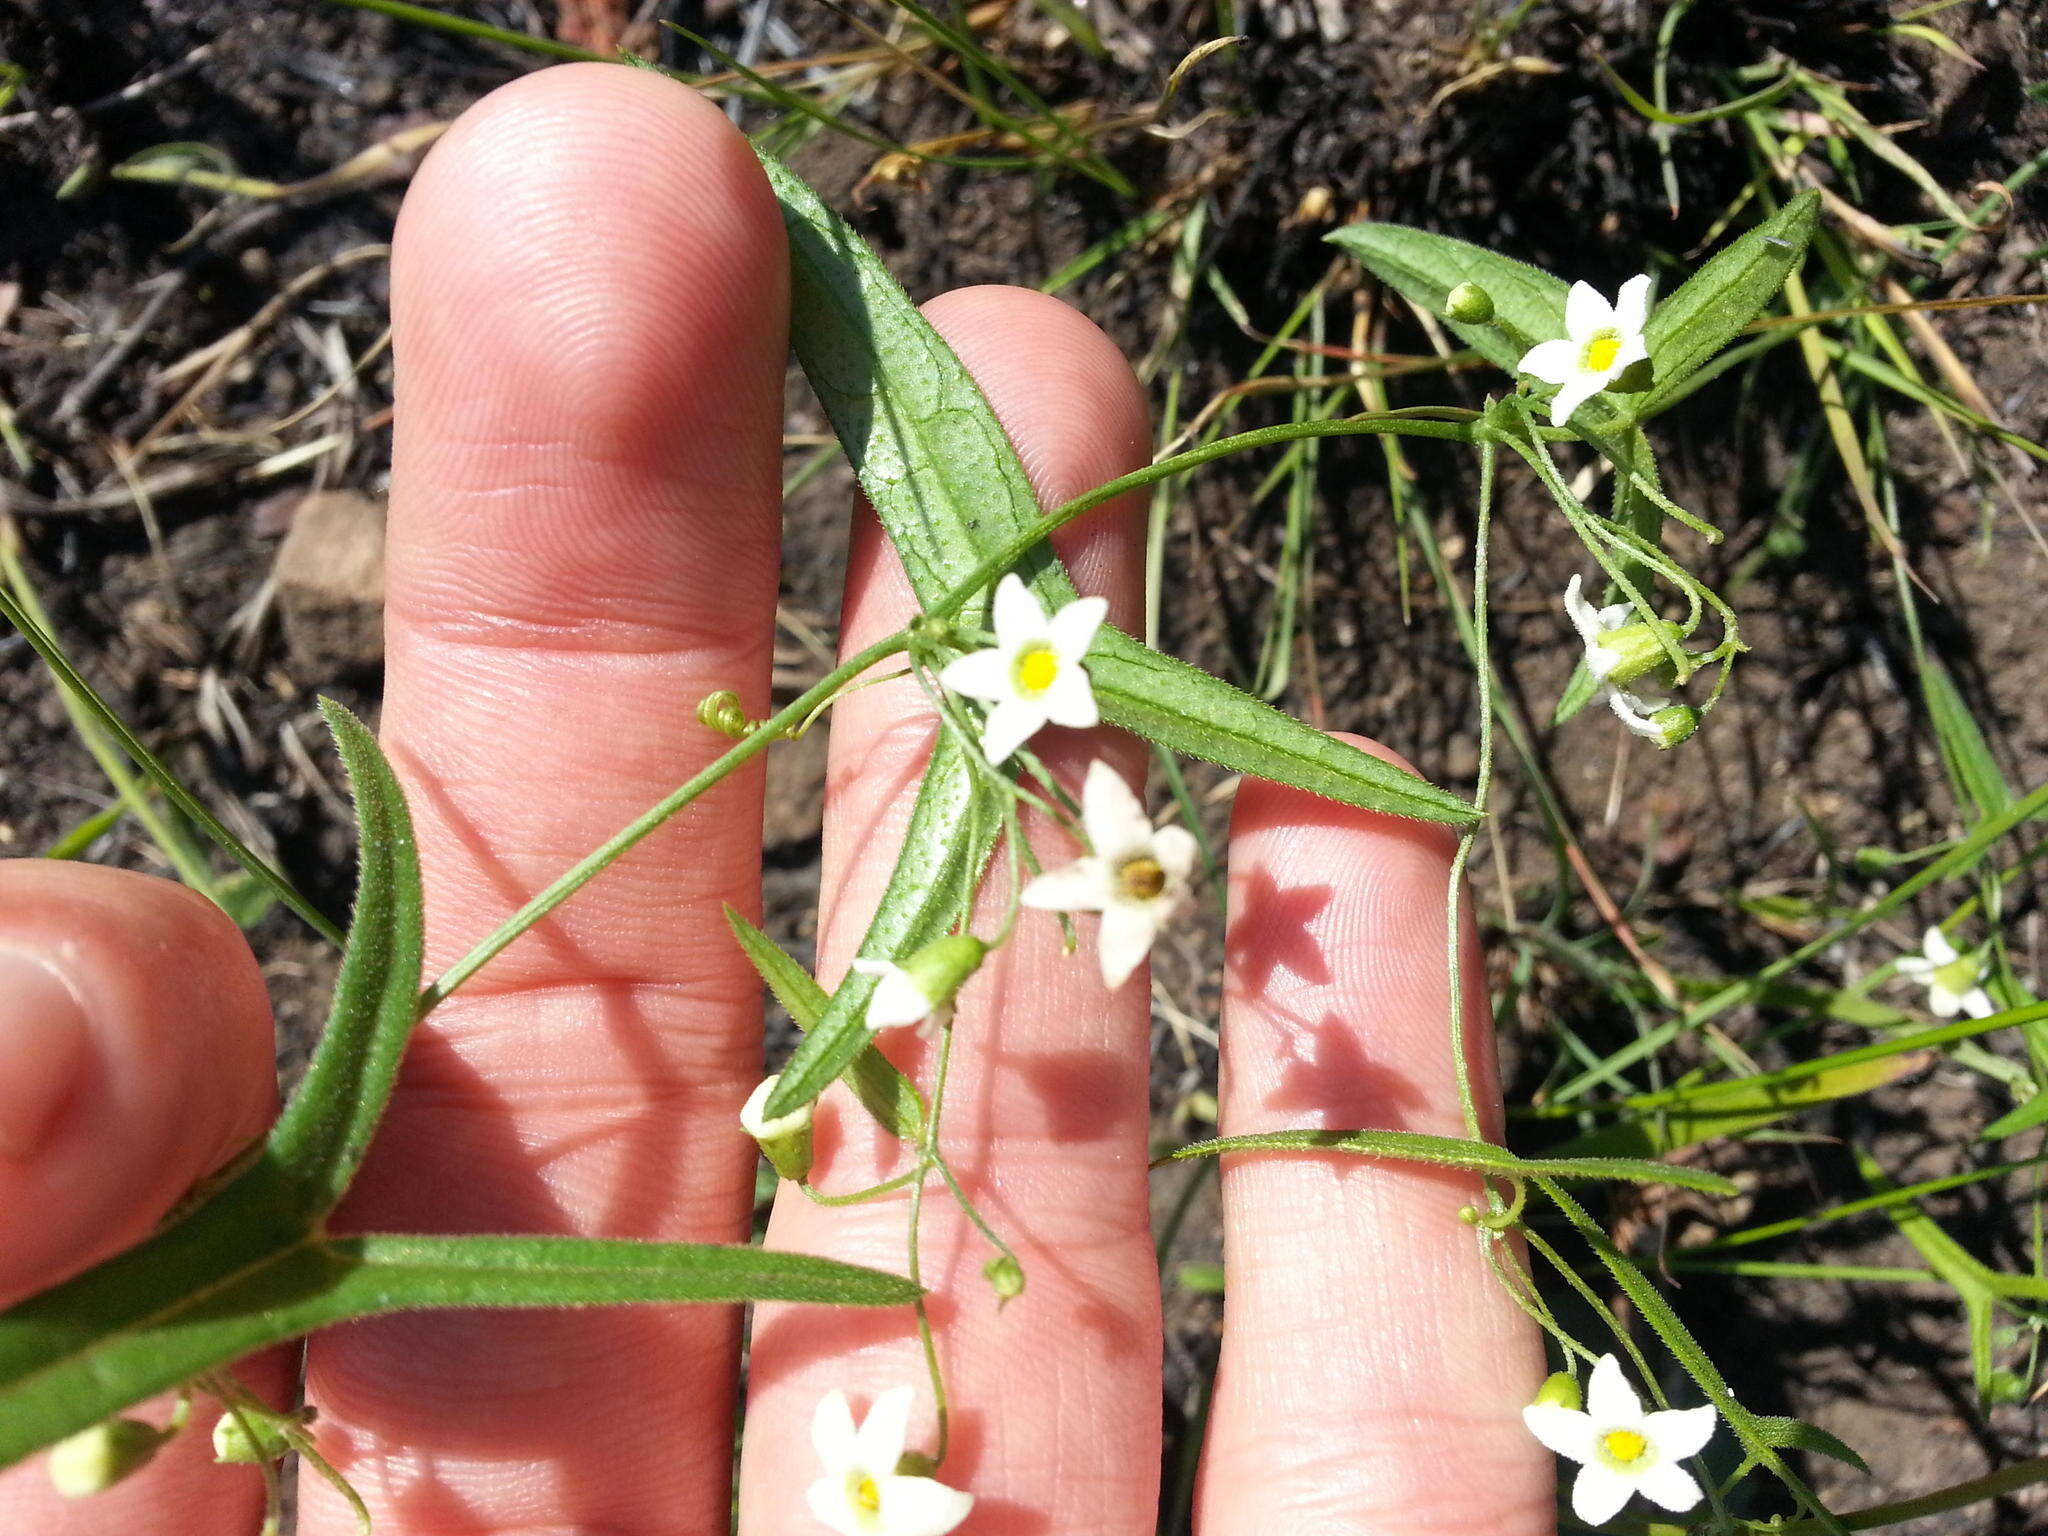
45 1039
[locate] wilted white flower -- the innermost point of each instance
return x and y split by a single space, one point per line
1621 1449
1137 878
1033 675
1952 979
786 1140
921 989
1601 342
861 1493
1596 626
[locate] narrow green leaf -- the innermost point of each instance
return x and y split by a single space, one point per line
1971 765
321 1137
225 1282
395 1272
945 847
1458 1152
889 1096
1192 712
1528 303
950 490
1685 1117
2023 1118
1723 296
1789 1434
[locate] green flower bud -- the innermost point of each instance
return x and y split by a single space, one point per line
1674 722
1638 649
786 1139
1469 304
95 1459
1005 1277
722 712
250 1437
942 967
1560 1391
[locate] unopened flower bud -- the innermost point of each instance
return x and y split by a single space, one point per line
1005 1277
1469 304
95 1459
786 1139
1674 722
722 712
1637 650
249 1436
922 986
1561 1391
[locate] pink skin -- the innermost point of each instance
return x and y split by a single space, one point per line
588 301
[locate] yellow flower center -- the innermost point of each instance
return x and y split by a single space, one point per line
1034 669
1601 351
866 1497
1624 1445
1141 878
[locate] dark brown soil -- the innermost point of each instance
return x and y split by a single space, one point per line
1822 747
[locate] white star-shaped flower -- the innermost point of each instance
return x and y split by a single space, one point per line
921 989
1952 979
1631 709
1621 1449
1137 878
1033 675
1601 342
861 1493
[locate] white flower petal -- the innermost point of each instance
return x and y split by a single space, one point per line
1916 966
1600 661
1943 1003
831 1508
1632 306
1633 712
1573 393
1563 1430
1018 615
1598 1494
1586 311
1073 627
1009 725
1070 701
979 675
921 1506
885 1431
898 1000
1551 361
1610 1401
758 1126
1124 940
1935 946
1977 1003
1082 886
833 1435
1633 350
1176 850
1681 1432
1582 614
1111 813
1670 1485
1614 615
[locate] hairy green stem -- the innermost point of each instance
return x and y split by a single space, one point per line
593 864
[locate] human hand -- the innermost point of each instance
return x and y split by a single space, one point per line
588 302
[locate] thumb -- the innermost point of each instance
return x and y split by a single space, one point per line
135 1059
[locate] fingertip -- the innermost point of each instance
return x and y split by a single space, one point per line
136 1033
